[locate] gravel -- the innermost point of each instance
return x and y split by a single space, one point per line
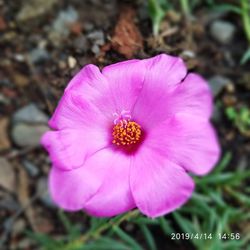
222 31
28 135
30 114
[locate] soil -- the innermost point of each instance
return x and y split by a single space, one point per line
41 51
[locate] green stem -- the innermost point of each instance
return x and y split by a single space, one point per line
99 230
185 7
157 14
245 7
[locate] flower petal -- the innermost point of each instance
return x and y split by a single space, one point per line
164 73
158 185
73 111
125 82
114 196
71 189
193 96
69 148
188 141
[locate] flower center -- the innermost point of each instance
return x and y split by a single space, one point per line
126 132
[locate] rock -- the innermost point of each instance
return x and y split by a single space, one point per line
42 189
71 62
81 43
61 25
30 114
18 227
20 80
34 8
217 84
4 139
97 37
31 168
222 31
7 176
28 135
38 55
95 49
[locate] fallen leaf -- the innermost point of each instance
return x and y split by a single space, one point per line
127 39
4 139
7 175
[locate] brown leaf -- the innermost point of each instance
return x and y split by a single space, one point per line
7 175
4 139
24 199
127 39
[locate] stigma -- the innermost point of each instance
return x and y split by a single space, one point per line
126 132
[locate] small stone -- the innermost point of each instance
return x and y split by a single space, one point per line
18 227
97 37
42 190
20 80
218 83
30 114
28 135
95 49
31 168
88 26
38 55
19 57
7 176
61 25
81 43
71 62
34 8
222 31
4 139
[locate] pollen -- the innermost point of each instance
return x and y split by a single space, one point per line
126 133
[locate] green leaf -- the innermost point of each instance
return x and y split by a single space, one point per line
127 238
149 237
105 244
156 14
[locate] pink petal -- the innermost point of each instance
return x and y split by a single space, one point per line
164 73
193 96
125 82
114 196
188 141
88 75
158 185
69 148
73 111
71 189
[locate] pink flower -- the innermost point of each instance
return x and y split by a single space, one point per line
126 137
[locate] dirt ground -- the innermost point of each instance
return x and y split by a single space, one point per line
44 43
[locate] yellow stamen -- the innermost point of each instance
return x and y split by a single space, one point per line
126 133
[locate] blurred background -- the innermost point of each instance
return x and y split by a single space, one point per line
43 43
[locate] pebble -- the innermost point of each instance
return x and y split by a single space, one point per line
81 43
30 168
42 189
30 114
222 31
97 37
28 135
218 83
61 25
34 8
71 62
7 176
18 227
38 55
